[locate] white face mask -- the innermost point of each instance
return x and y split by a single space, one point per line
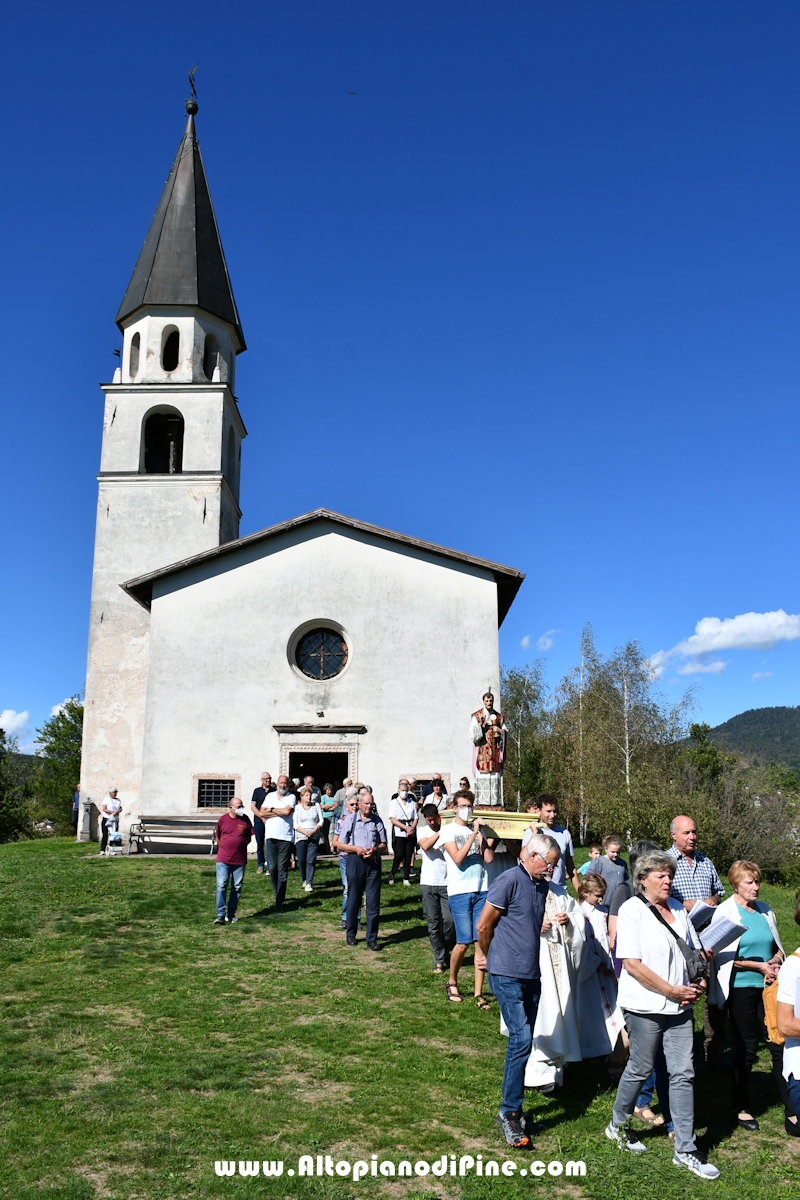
402 794
464 813
238 812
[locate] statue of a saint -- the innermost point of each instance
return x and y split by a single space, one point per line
488 731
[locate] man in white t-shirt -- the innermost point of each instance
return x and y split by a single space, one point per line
276 813
789 1026
433 886
547 813
466 855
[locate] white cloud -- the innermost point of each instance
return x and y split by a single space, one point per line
547 640
762 675
712 635
57 708
14 723
526 641
696 667
750 631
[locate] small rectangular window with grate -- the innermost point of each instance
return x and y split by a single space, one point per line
215 793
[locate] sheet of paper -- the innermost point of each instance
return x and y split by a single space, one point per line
701 913
720 933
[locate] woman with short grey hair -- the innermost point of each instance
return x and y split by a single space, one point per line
664 970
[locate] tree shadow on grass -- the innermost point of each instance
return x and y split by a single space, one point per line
404 935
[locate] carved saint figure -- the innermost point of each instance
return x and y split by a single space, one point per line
488 731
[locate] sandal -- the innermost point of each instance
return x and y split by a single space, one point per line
453 994
647 1115
482 1003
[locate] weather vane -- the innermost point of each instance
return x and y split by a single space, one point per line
192 74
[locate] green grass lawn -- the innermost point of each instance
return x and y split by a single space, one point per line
140 1043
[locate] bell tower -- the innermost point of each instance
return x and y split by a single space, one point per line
168 486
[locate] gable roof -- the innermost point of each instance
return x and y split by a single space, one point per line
508 580
181 262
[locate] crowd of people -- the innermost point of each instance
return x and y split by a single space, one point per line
610 974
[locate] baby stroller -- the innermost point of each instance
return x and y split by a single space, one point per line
114 843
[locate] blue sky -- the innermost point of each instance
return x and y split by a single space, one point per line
532 292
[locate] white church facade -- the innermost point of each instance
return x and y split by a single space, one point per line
323 645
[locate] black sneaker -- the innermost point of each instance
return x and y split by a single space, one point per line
373 946
351 941
513 1130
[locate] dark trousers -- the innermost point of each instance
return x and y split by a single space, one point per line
715 1030
278 855
363 880
305 850
441 929
746 1008
404 848
258 830
105 825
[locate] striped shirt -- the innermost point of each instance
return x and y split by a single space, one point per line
695 878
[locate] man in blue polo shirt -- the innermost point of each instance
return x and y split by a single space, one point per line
508 934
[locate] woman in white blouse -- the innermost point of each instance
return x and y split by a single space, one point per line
307 825
655 942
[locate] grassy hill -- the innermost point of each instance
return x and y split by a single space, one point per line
763 735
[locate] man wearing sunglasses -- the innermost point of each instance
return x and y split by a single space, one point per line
508 934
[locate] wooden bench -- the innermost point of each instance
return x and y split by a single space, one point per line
173 830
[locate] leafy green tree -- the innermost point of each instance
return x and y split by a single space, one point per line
704 755
59 746
15 818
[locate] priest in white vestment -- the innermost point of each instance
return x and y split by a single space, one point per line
556 1035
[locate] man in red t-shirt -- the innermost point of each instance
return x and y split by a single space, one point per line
233 835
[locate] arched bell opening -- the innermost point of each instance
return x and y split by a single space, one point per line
162 442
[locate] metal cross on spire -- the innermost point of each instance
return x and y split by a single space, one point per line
192 74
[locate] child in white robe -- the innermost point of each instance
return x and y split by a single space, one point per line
599 1015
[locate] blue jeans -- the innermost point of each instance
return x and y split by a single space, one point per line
343 873
465 909
225 874
519 1002
793 1088
305 850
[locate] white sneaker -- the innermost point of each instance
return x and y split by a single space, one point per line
406 883
696 1163
625 1138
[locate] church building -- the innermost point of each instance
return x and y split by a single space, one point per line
322 645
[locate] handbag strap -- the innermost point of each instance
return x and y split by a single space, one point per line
685 949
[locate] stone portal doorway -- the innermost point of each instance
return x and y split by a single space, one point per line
325 766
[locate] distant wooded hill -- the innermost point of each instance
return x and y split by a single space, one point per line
763 735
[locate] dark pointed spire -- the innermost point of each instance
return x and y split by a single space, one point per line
182 262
